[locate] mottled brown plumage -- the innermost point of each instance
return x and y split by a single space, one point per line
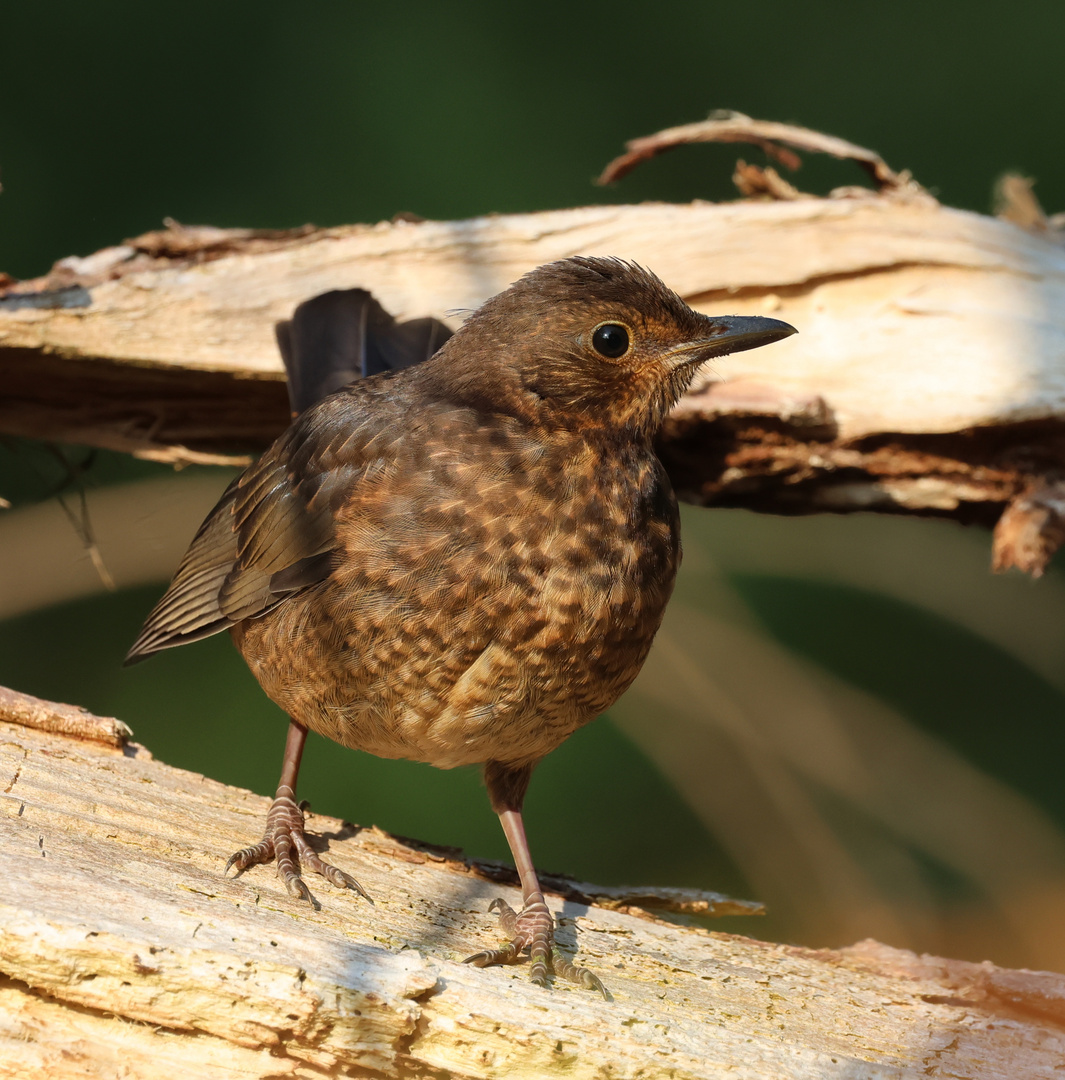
463 562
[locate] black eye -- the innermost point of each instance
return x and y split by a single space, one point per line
611 340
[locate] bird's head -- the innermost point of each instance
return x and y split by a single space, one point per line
590 342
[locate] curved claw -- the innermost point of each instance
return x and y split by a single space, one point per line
343 880
296 886
564 969
250 856
332 874
508 919
506 955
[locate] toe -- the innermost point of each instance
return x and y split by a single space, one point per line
571 973
262 852
506 955
338 877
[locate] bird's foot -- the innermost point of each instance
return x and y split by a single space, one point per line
285 841
533 928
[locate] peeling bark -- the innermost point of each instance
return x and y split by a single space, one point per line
1031 529
59 719
926 377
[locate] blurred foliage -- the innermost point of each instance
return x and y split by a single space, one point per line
951 683
120 113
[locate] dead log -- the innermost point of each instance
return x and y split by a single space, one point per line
926 378
122 947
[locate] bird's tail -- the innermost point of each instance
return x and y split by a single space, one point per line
340 336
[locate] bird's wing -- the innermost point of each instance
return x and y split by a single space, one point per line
284 511
189 609
272 532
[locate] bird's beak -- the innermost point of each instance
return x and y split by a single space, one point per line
731 333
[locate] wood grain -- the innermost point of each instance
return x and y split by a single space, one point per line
123 947
926 377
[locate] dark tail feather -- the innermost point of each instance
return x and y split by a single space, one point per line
340 336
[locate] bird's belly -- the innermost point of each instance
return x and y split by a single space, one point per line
501 671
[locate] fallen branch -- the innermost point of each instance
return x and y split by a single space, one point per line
121 943
925 378
59 719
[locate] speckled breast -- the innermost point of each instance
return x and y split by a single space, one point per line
494 591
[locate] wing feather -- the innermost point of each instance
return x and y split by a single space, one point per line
189 610
272 532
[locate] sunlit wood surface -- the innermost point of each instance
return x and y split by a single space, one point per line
123 947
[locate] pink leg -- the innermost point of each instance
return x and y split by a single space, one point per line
532 928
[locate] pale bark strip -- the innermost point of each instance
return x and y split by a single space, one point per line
913 317
927 376
121 941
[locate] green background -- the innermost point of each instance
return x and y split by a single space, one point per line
115 115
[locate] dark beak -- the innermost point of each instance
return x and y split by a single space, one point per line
730 334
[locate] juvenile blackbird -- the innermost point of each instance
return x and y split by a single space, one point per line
463 561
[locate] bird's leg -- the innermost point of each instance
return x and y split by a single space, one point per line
532 928
284 838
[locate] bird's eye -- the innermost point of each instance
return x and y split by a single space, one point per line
610 340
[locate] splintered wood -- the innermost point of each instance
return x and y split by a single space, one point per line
124 951
927 367
60 719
